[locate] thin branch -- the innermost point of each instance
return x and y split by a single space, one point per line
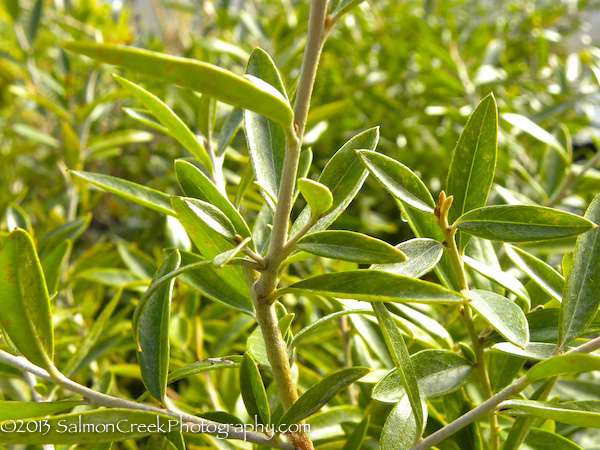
492 403
99 399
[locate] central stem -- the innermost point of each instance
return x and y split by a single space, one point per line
449 232
267 283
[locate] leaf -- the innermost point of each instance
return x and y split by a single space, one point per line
317 196
92 336
521 223
473 164
498 276
25 314
343 175
424 225
563 365
169 119
350 246
11 410
541 273
229 130
52 264
319 394
142 195
580 298
375 286
533 129
502 314
68 429
34 21
228 362
253 391
400 429
422 256
398 180
117 139
196 184
138 262
70 230
342 7
266 138
438 372
143 116
579 413
536 351
209 281
220 84
151 331
403 362
538 439
16 217
357 437
208 226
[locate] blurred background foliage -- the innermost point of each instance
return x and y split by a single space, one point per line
416 68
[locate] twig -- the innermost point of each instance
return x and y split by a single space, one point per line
100 399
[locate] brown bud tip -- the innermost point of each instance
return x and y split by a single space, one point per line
238 238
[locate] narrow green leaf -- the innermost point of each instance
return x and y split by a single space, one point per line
212 233
521 223
66 429
169 119
537 351
70 230
538 439
403 362
400 429
116 139
541 273
422 256
144 117
35 19
229 130
438 372
424 225
563 365
52 264
498 276
317 196
343 175
579 413
266 138
350 246
16 217
195 183
228 362
208 226
253 391
221 84
357 437
502 314
25 314
142 195
398 180
533 129
151 330
581 299
92 336
207 115
375 286
11 410
213 284
138 262
319 394
473 163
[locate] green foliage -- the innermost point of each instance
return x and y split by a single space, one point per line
180 239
